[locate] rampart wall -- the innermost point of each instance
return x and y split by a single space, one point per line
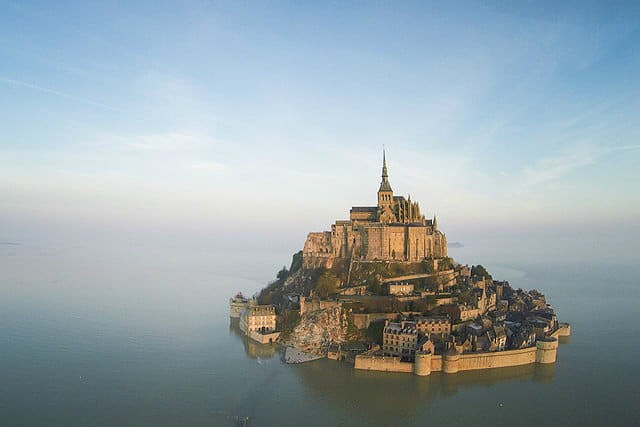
382 363
543 352
446 274
308 305
498 359
264 338
235 308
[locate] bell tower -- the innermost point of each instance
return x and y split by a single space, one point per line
385 195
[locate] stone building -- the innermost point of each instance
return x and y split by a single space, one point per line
497 338
434 325
400 338
314 303
394 230
237 304
258 318
460 312
400 288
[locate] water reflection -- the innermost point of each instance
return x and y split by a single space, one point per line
389 398
252 349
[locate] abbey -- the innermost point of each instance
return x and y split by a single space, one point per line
394 230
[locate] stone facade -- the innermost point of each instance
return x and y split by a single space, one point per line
402 288
314 303
258 318
400 338
434 325
394 230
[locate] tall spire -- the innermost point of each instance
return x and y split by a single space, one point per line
384 185
384 165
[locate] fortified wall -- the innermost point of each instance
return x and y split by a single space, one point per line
311 304
544 352
425 363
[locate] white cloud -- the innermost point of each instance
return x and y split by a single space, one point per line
551 168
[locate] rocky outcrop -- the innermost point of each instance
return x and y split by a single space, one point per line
317 329
300 282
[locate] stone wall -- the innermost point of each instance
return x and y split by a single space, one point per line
382 363
402 242
373 241
309 305
264 338
542 352
443 275
362 321
499 359
235 308
318 250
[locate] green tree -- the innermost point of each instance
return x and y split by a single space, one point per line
374 331
445 263
479 270
376 287
283 274
427 266
466 297
287 321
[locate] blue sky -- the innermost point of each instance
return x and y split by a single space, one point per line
193 118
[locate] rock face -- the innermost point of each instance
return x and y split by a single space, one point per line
300 281
317 329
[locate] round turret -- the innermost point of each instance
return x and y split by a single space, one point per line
422 365
564 330
547 350
450 361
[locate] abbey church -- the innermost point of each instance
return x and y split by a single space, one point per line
394 230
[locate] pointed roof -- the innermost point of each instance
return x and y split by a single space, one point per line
384 185
384 164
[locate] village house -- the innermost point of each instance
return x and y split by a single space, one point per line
258 318
400 338
434 325
497 337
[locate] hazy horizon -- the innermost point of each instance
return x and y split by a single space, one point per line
250 123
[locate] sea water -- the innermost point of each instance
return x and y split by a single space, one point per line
141 336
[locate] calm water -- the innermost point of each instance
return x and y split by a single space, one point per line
141 336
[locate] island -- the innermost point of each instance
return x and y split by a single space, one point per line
379 291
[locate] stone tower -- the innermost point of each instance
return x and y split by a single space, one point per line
385 195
